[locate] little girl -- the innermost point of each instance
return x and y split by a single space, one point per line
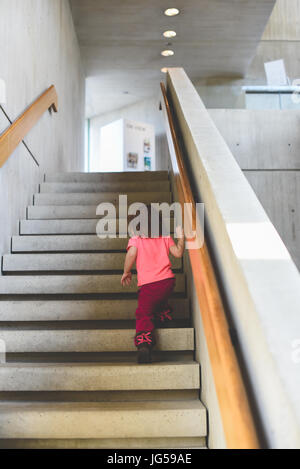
156 282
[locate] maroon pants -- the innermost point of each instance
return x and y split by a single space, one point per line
152 299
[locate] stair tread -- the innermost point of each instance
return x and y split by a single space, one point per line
79 310
71 284
72 226
74 325
66 211
129 186
107 177
102 419
71 211
62 226
105 376
63 243
121 443
104 364
97 357
90 340
82 330
105 406
114 444
68 262
41 243
94 198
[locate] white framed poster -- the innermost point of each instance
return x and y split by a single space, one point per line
127 145
139 145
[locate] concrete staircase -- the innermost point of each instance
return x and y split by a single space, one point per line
70 379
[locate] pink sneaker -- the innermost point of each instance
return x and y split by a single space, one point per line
144 342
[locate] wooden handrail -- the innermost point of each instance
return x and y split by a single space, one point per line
238 424
16 132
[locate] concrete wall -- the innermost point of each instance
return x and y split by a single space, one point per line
284 23
261 139
144 111
39 48
266 146
260 282
280 41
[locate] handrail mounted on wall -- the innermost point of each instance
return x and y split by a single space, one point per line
16 132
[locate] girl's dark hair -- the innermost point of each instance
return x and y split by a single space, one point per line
157 215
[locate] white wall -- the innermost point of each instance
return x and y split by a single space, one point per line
112 144
39 48
144 111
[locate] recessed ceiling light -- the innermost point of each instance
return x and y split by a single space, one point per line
169 34
164 70
167 53
172 12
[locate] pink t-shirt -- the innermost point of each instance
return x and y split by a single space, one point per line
152 262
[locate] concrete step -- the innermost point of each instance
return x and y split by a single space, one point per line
158 356
113 443
61 227
85 310
85 324
101 396
69 262
118 187
103 420
130 176
62 243
98 377
90 341
68 227
57 212
72 285
97 198
61 212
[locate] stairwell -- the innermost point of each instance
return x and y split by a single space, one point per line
70 379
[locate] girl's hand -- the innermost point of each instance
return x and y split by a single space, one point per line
126 279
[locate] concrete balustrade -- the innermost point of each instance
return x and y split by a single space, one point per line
261 284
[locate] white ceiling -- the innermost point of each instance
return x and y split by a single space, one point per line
121 42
